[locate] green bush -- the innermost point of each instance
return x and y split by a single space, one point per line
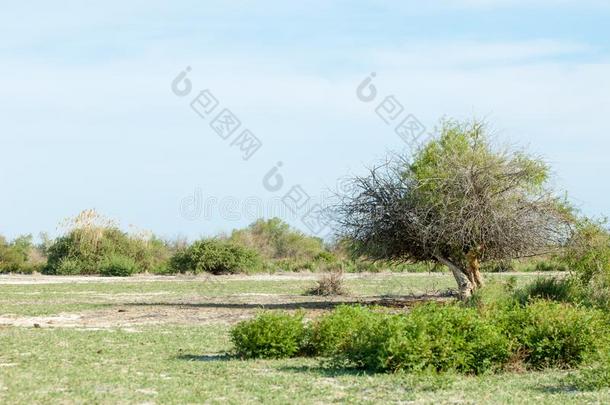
88 247
162 269
68 267
92 247
275 239
494 296
332 333
554 289
448 338
588 251
571 289
118 266
215 256
149 254
17 256
552 265
558 335
597 292
294 265
326 257
30 268
434 337
269 335
539 264
383 343
431 337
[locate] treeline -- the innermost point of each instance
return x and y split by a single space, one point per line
94 245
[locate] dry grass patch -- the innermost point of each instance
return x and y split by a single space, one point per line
329 284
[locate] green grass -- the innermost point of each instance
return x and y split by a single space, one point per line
188 364
48 299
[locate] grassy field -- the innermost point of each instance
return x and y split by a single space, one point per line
155 340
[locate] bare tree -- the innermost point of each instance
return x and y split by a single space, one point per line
458 201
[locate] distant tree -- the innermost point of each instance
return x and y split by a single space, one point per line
457 200
90 240
275 239
587 253
14 255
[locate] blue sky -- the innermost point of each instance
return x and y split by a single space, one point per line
88 118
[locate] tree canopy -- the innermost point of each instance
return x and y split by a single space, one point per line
457 200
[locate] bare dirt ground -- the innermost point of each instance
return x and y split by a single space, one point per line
138 309
223 310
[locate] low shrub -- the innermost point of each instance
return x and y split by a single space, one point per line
494 295
331 334
118 266
558 335
293 265
329 284
88 247
162 269
431 337
435 337
554 289
551 265
275 239
269 335
326 257
382 343
537 264
30 268
150 253
449 338
20 256
215 256
588 251
68 267
93 247
597 291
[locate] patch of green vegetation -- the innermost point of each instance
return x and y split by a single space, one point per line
176 364
593 377
20 256
118 266
433 337
275 239
89 251
188 365
46 299
215 256
272 335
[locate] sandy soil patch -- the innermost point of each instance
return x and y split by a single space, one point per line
221 310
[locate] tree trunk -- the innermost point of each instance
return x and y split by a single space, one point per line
475 270
465 286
